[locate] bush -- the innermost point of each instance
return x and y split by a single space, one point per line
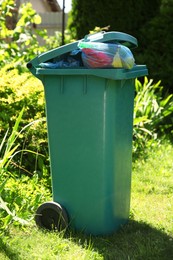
153 114
19 200
20 91
155 46
126 16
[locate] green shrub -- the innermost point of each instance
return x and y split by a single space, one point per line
155 45
21 197
18 91
126 16
153 114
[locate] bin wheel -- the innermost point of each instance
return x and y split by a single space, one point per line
51 216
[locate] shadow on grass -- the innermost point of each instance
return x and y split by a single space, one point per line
135 240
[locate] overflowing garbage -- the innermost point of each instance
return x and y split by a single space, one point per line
94 55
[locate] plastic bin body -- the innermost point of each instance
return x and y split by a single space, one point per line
90 139
90 123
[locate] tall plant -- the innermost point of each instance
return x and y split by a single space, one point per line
153 113
11 203
7 152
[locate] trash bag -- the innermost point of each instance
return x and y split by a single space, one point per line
64 63
106 55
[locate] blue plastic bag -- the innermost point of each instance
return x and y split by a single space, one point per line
69 62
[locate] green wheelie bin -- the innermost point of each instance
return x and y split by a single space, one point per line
90 122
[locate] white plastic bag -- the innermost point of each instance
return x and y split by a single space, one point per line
106 55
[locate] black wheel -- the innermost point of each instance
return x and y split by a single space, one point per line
51 216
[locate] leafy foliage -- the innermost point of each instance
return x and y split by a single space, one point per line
156 47
20 43
19 200
125 16
153 114
18 91
16 195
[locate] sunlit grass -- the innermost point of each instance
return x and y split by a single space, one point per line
152 188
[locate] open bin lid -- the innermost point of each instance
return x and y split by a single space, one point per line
104 37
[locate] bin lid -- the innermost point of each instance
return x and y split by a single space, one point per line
115 37
118 37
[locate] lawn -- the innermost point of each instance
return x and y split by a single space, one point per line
148 235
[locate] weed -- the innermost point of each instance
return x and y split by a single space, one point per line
11 203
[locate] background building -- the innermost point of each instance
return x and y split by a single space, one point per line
51 14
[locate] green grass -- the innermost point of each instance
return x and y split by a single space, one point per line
148 235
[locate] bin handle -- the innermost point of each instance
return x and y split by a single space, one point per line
94 36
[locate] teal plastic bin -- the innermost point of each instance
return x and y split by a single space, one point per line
90 123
